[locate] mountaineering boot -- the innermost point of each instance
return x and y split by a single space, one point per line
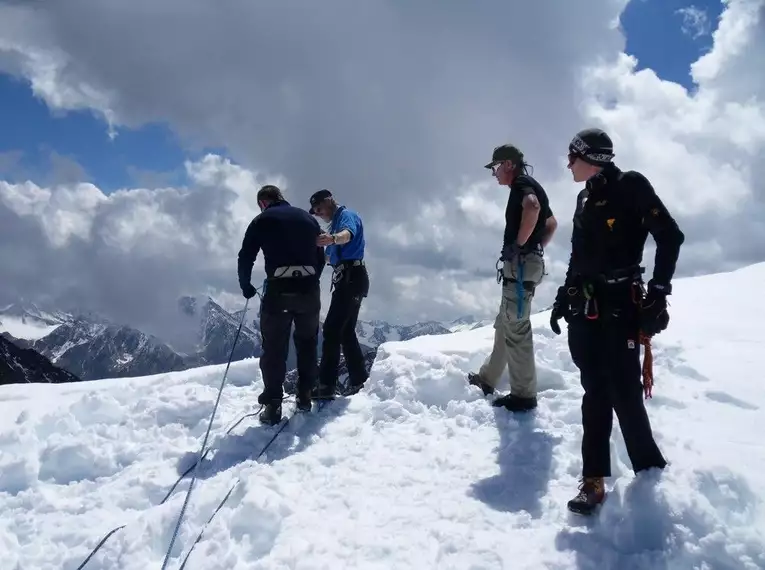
324 392
592 492
351 388
515 403
272 414
304 401
475 380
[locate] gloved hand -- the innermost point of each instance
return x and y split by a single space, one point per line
248 291
654 317
559 310
509 251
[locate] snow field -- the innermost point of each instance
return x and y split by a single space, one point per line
416 471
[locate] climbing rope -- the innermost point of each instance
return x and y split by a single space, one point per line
200 456
228 431
647 366
204 442
98 546
170 492
231 489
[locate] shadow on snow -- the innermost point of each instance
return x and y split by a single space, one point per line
525 462
641 530
281 440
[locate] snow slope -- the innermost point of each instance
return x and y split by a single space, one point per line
20 328
417 471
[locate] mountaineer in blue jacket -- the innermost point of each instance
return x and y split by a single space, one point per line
350 282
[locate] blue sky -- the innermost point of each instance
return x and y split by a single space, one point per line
655 35
36 144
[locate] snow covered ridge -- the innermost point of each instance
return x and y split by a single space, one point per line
21 365
417 471
91 347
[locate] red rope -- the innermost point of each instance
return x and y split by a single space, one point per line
647 366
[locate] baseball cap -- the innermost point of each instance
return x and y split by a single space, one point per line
318 198
506 152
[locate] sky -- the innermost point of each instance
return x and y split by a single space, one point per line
131 150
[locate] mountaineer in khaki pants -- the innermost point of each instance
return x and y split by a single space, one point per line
529 226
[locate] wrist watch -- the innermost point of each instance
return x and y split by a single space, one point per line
334 238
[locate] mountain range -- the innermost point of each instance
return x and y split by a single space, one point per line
89 346
19 365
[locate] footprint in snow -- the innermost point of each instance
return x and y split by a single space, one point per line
724 398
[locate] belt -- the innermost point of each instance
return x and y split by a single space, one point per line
528 285
349 263
622 275
613 277
291 271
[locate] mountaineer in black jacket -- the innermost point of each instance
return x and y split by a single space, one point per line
604 304
287 236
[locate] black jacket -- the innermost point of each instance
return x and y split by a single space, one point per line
519 188
287 236
614 215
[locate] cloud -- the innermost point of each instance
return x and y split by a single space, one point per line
66 169
395 106
695 21
10 162
151 178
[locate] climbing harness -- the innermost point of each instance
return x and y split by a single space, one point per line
341 273
293 271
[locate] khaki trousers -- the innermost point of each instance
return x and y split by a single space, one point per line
513 341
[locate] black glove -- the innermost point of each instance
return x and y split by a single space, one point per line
654 315
509 251
248 291
559 310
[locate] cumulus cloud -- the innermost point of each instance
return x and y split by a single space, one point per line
695 21
131 253
395 106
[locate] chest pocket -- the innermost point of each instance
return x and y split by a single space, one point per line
607 224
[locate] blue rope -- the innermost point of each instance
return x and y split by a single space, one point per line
519 286
204 443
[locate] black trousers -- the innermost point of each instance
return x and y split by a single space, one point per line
607 353
279 311
340 328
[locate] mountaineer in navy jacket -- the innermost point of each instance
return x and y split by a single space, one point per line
294 263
